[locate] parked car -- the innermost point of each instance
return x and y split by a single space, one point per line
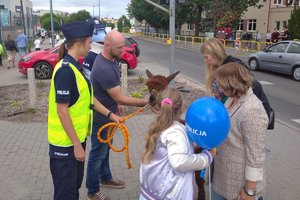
130 41
282 57
129 57
44 61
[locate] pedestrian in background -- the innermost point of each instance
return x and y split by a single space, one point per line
71 105
246 37
257 39
22 42
11 50
37 43
275 36
240 159
57 38
43 35
286 34
169 161
268 38
105 77
1 53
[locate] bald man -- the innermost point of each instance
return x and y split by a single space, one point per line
105 77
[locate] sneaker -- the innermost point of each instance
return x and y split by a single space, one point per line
97 196
113 183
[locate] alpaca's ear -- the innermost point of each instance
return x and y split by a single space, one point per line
172 76
149 74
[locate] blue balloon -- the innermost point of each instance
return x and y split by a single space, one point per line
207 122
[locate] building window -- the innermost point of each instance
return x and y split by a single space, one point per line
277 25
284 24
251 24
241 25
190 27
277 2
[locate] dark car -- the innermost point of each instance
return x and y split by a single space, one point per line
282 57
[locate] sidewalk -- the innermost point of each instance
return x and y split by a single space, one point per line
24 169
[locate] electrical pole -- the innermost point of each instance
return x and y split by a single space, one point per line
171 13
99 11
172 36
22 14
52 27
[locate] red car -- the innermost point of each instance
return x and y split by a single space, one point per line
44 61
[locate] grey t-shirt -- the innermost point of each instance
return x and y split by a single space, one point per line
105 75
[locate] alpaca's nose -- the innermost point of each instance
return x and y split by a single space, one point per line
152 98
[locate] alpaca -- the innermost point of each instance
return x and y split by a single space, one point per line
156 83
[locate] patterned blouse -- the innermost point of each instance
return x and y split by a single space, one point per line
241 156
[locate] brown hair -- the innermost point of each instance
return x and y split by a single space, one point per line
214 47
234 79
168 114
63 49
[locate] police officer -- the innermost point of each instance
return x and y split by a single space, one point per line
71 105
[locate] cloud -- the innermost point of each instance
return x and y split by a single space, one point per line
114 9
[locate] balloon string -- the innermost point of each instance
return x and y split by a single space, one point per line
209 182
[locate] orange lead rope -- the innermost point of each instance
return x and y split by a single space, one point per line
112 127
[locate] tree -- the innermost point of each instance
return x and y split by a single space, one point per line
294 25
46 22
191 12
227 13
81 15
123 24
109 24
216 12
141 10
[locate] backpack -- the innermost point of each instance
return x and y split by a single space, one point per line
259 92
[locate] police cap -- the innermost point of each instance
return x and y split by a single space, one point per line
76 30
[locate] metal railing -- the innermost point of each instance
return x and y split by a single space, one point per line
248 45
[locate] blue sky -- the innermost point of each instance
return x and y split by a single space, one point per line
108 8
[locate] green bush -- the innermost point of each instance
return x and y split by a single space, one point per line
294 25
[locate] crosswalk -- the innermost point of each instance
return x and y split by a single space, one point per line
270 83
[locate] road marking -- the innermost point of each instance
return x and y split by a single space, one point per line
296 120
266 83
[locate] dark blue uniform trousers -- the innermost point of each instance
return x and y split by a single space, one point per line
67 172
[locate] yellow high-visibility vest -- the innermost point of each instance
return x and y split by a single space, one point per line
81 114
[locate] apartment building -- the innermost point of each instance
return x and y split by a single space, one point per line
273 14
11 17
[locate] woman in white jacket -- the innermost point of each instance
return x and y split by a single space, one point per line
169 162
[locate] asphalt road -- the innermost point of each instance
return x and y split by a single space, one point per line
283 92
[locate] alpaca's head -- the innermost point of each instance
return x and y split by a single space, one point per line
156 84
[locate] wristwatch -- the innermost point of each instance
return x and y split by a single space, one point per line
249 192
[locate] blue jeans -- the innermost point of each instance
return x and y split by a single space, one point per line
98 164
22 51
216 196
